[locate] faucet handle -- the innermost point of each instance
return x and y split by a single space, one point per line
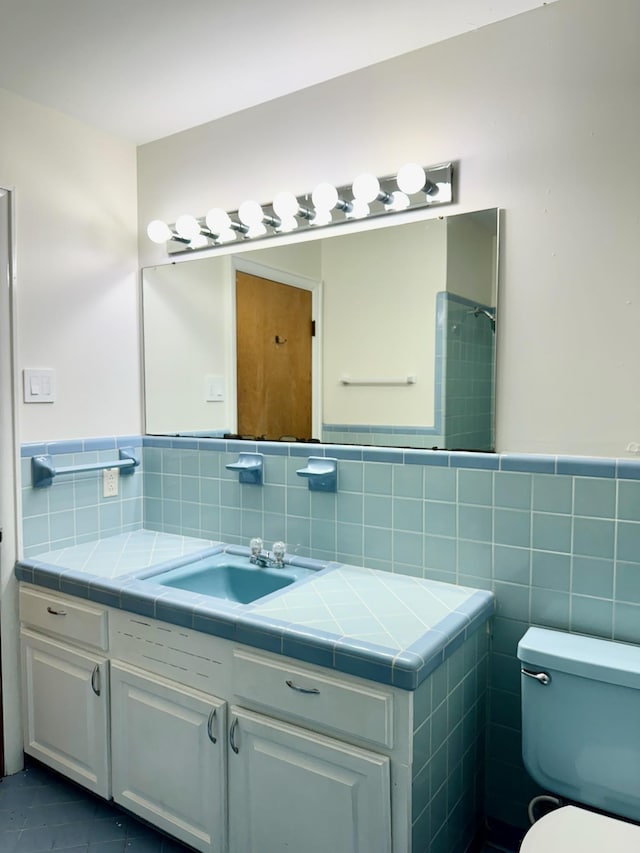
278 552
255 547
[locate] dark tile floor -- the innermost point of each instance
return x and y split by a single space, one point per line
39 810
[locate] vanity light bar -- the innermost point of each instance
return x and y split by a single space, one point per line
411 188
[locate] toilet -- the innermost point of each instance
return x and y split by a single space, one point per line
581 740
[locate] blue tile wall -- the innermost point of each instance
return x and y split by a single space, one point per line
72 510
449 751
556 538
468 387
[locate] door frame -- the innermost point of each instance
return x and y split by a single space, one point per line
302 282
9 491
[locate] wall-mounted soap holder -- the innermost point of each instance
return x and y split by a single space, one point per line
322 474
249 467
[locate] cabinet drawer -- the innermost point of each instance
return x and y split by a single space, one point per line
321 701
64 617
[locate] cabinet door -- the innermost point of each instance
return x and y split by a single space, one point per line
168 754
293 789
66 710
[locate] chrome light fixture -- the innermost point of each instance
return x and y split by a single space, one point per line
411 188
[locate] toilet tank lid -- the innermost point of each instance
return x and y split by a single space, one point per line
588 657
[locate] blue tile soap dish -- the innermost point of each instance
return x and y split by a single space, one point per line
322 474
249 467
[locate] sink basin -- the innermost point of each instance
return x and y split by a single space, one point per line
230 577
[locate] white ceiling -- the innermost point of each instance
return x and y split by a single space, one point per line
144 69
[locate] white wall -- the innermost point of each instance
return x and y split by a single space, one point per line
379 322
75 200
541 113
188 335
471 252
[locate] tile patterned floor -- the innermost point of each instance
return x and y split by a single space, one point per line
40 810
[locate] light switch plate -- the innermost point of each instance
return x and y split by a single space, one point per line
214 388
39 385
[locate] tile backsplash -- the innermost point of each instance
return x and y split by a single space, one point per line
72 510
556 538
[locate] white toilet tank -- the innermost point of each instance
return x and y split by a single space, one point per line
581 730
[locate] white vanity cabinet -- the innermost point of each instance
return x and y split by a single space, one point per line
168 756
294 789
232 749
311 768
65 687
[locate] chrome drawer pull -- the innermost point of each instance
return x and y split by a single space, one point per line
56 612
232 736
302 689
95 680
542 677
212 717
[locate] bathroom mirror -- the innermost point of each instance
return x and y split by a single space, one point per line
383 336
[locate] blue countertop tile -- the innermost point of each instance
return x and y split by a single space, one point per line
390 628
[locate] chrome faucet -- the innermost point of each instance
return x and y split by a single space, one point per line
262 558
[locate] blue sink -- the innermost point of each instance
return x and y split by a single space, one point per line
230 577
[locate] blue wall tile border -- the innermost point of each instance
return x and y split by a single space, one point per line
528 463
521 462
463 459
628 469
100 443
80 445
381 454
439 458
585 467
621 468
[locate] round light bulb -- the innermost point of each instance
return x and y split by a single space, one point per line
226 235
217 220
188 226
399 201
366 188
286 205
322 217
359 209
325 197
158 231
258 229
198 241
251 213
288 223
442 191
411 178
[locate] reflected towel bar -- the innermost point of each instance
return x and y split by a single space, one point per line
411 379
43 472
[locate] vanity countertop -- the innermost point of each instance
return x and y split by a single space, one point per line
390 628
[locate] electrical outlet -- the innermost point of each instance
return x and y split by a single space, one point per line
110 477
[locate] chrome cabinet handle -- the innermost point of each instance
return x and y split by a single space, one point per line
56 612
232 736
313 690
95 680
542 677
210 722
